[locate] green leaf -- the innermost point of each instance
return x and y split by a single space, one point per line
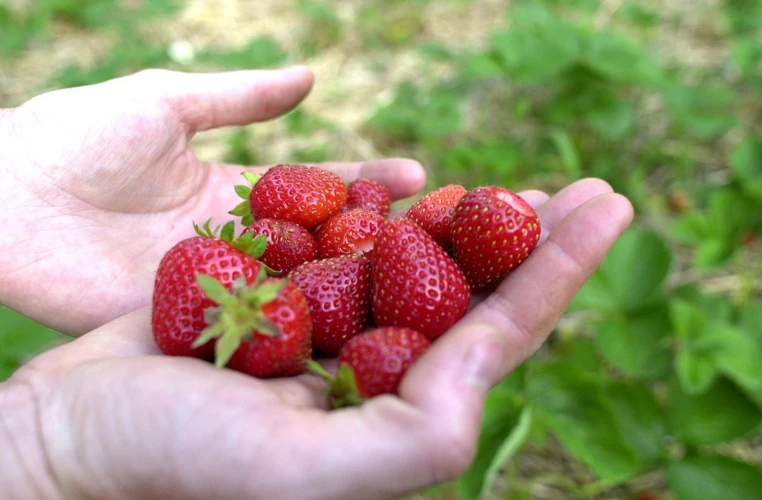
574 407
720 414
746 162
619 59
515 441
247 220
21 339
228 231
612 117
207 334
696 371
538 45
213 289
637 345
703 478
269 291
692 227
267 327
639 420
243 192
504 428
568 153
631 277
251 177
226 346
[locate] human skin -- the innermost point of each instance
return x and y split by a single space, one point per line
96 183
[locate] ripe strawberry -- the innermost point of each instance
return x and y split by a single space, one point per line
370 195
177 317
289 245
307 196
373 363
338 294
262 330
349 233
434 212
415 284
493 231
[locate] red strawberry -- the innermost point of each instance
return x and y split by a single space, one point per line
349 233
177 317
338 294
415 284
373 363
434 212
307 196
288 245
493 231
262 330
368 194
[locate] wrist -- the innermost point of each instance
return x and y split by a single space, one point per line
25 471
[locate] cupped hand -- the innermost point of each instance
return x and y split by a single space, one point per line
119 421
97 182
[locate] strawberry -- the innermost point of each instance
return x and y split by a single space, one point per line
288 245
493 231
370 195
373 363
415 284
307 196
349 233
434 212
262 330
177 317
338 295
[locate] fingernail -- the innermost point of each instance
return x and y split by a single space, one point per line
484 361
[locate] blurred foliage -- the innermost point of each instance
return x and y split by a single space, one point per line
656 366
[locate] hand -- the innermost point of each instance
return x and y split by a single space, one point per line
117 421
98 182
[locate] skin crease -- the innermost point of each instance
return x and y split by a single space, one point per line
106 417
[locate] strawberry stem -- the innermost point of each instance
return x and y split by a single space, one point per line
239 314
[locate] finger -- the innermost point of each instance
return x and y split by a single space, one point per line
566 200
401 176
212 100
535 198
530 301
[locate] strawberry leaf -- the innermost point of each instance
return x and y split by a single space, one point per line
226 347
251 245
268 292
268 328
214 289
243 192
228 232
247 220
207 334
342 392
241 210
206 230
251 177
317 369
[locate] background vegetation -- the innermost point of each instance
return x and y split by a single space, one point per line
652 384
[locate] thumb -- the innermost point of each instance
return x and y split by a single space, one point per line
212 100
450 383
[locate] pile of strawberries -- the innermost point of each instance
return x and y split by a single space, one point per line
321 268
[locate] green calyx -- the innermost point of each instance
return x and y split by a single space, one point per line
243 209
249 244
342 389
238 315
